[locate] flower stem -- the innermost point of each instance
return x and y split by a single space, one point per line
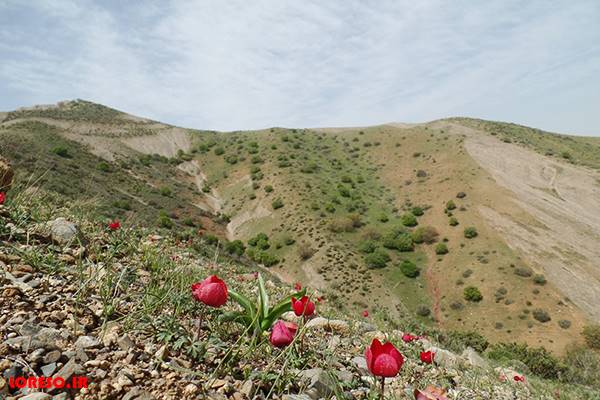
382 386
200 318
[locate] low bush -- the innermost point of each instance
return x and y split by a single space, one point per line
368 246
470 232
471 293
453 221
539 279
423 311
409 219
441 249
541 315
457 341
525 272
277 203
377 259
235 247
409 269
539 360
61 151
450 205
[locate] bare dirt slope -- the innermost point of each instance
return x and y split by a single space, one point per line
565 199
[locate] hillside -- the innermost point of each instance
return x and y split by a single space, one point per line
397 219
114 306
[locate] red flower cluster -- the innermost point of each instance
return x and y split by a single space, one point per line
303 306
519 378
427 356
212 291
2 198
113 226
407 338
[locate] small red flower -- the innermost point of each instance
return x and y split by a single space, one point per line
2 198
297 287
383 360
282 334
519 378
365 313
113 226
427 356
303 306
407 338
212 291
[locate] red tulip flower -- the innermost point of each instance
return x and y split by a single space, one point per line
427 356
407 338
297 287
113 226
383 359
365 313
281 334
303 306
212 291
519 378
2 198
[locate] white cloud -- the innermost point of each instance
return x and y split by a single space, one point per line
240 65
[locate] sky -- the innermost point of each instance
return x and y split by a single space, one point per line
233 65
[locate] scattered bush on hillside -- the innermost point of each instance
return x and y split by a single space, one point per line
408 219
470 232
164 221
539 279
541 315
368 246
277 203
231 159
450 205
461 195
564 323
61 151
268 188
453 221
409 269
219 151
236 247
582 366
377 259
400 241
525 272
418 211
423 311
103 166
441 249
457 341
471 293
305 251
165 191
591 333
425 234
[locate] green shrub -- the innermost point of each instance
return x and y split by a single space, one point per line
471 293
539 361
470 232
188 221
367 247
383 218
165 191
453 221
103 166
539 279
541 315
236 247
231 159
61 151
305 251
409 269
277 203
582 366
418 211
377 259
268 188
441 249
450 205
591 333
259 237
425 234
219 151
409 219
564 323
164 221
211 239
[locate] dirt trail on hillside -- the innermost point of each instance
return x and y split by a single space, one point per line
212 201
236 222
564 199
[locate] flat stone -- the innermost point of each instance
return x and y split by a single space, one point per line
333 325
125 343
52 356
87 342
63 231
474 359
49 369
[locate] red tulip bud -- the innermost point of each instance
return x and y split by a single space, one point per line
212 291
365 313
113 226
407 338
2 198
281 334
